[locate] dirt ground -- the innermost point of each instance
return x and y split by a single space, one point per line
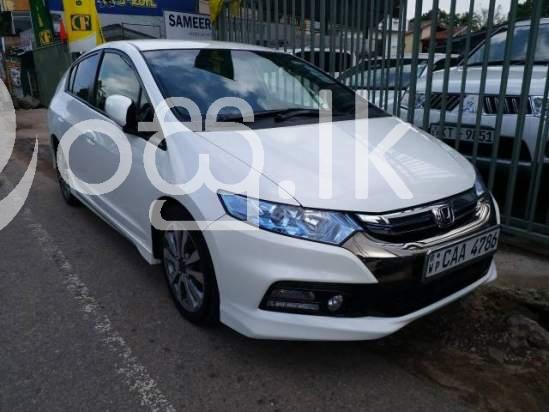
492 347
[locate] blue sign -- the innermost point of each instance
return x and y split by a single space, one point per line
136 7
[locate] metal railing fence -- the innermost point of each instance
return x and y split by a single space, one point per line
475 79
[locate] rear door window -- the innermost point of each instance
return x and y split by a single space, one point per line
84 78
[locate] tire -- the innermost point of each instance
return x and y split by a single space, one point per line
64 187
190 276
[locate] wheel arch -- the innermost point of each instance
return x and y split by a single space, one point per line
54 143
172 208
175 209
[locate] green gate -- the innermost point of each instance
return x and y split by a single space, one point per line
50 63
434 67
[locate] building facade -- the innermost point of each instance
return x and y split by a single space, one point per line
126 19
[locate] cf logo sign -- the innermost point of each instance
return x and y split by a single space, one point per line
444 215
81 22
46 37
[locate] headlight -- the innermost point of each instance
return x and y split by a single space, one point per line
480 186
318 225
470 104
419 103
537 105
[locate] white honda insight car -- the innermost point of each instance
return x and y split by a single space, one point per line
307 263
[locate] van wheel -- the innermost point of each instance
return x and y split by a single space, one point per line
190 275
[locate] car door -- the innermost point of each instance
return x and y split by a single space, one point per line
127 205
79 108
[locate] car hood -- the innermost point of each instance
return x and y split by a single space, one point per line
429 169
493 80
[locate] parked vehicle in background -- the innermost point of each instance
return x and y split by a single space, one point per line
342 59
390 78
465 130
297 265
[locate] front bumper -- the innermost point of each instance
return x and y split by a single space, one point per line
528 144
249 262
256 323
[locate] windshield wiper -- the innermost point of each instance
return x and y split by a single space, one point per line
279 115
289 113
239 118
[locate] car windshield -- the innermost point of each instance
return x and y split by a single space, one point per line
520 47
270 82
382 77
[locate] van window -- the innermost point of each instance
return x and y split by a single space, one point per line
520 47
338 57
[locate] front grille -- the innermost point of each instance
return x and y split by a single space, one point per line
411 226
505 149
452 101
511 105
406 296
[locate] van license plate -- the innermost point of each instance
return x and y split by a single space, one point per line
441 260
466 134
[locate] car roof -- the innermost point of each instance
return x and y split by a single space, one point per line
529 22
408 56
164 44
421 56
307 49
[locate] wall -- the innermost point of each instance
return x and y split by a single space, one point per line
16 5
145 16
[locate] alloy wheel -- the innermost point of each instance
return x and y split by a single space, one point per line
182 263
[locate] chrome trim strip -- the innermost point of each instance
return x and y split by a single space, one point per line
366 246
386 217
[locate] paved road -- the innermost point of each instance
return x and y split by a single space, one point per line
86 324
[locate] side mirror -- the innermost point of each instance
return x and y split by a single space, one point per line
119 108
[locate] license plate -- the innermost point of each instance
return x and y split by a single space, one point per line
466 134
449 257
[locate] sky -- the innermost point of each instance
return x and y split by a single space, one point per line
461 6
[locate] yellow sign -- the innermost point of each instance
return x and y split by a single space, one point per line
82 25
217 5
81 22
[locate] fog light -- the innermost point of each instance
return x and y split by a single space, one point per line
335 302
292 294
279 304
315 299
292 300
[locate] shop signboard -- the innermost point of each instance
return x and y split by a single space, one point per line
187 26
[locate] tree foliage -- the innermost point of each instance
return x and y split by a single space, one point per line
526 9
479 19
